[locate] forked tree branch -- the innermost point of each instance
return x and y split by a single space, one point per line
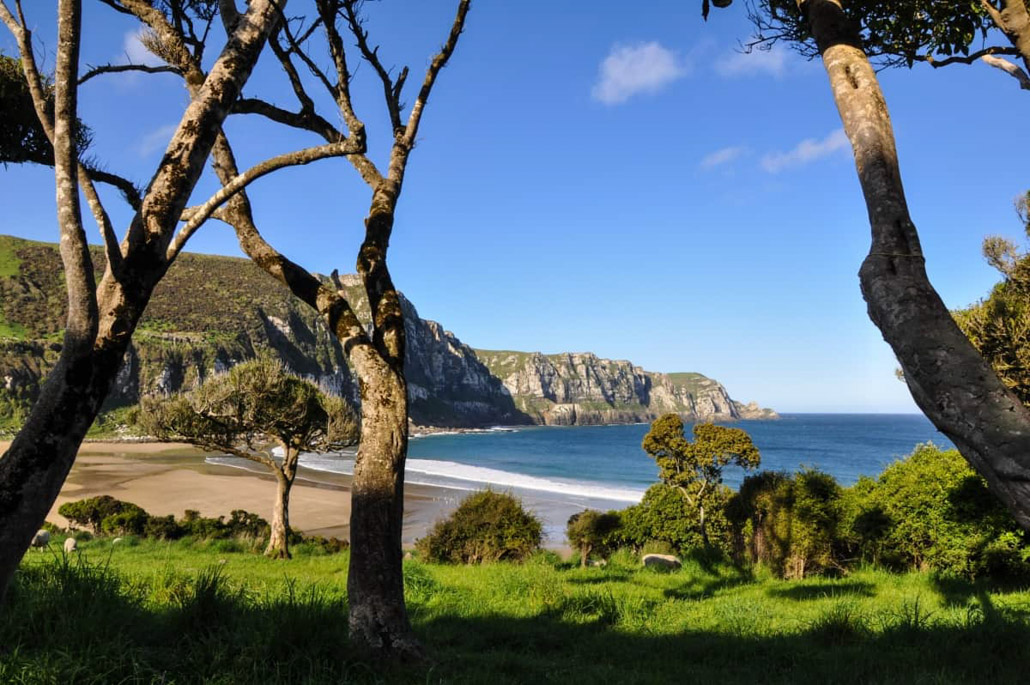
298 158
970 58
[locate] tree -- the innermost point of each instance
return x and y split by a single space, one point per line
246 411
949 380
695 468
589 530
102 316
897 33
999 326
378 618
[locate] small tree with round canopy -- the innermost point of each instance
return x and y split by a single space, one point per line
246 412
695 468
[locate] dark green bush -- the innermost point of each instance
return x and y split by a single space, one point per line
792 523
591 531
486 526
92 511
665 515
163 528
131 520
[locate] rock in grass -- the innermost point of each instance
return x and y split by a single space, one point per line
70 545
41 538
662 561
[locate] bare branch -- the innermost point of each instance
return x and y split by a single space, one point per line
297 158
970 58
1009 68
308 121
371 55
435 66
118 68
128 189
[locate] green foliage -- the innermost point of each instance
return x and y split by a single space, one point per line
892 33
162 528
592 531
92 511
666 515
130 520
487 526
253 400
695 468
931 511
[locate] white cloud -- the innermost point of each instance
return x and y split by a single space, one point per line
723 156
772 62
629 70
806 151
136 52
155 140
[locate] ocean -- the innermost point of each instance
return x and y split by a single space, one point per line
560 470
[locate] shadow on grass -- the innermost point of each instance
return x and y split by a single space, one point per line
74 622
837 650
961 592
695 588
810 591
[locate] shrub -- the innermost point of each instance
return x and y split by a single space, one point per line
932 511
792 523
665 515
592 531
163 528
131 520
92 511
486 526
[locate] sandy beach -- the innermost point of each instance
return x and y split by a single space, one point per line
171 478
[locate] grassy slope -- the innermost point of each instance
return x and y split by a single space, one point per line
539 622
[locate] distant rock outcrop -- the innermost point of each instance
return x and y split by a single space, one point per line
210 313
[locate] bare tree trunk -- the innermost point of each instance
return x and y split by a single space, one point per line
949 380
375 581
279 537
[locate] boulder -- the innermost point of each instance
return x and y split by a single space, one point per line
41 538
662 561
70 545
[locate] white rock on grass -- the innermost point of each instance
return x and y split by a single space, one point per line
664 561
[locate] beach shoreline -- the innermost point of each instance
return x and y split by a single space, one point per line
169 478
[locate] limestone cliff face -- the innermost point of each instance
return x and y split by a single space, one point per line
583 389
210 313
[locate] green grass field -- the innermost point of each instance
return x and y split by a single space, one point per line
183 612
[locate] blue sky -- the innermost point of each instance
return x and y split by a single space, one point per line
621 181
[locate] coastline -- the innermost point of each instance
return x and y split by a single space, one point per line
169 478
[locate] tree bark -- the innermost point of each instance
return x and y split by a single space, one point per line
36 464
279 534
279 537
952 384
375 582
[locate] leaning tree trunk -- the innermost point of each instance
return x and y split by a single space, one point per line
949 380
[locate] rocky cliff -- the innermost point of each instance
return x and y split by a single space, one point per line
212 312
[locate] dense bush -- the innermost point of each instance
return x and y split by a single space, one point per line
486 526
131 520
665 515
789 522
591 531
931 511
92 511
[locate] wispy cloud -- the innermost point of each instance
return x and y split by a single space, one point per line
155 140
806 151
772 62
630 70
136 52
722 156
